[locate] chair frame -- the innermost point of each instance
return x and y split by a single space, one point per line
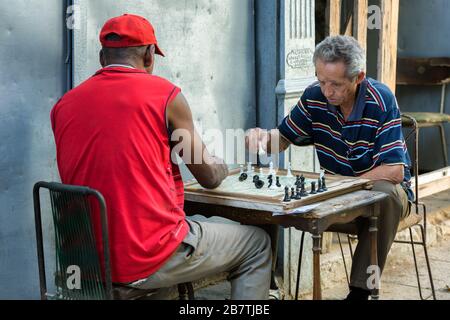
422 227
186 290
84 191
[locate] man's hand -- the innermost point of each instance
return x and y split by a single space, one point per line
262 141
257 140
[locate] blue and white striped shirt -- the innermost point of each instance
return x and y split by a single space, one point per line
372 135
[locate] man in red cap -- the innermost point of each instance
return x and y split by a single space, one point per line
112 134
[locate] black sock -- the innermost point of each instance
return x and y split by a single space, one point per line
358 294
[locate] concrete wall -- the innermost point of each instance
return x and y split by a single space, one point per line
31 81
210 54
424 31
210 51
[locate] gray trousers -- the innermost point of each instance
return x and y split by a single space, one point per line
244 252
392 210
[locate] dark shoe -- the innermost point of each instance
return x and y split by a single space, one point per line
358 294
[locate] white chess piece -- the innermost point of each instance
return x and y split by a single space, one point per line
289 172
271 171
261 151
249 168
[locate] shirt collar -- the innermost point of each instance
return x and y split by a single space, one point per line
120 66
360 103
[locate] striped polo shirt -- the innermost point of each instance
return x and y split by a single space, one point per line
372 135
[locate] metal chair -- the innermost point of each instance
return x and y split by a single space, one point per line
426 71
76 248
415 219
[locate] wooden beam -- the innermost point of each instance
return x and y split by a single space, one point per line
433 182
349 27
333 17
360 12
387 54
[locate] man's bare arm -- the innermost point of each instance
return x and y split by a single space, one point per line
209 171
394 174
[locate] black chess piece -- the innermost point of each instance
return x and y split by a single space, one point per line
287 198
313 188
270 177
324 184
302 178
303 192
292 194
259 184
278 182
255 178
319 186
270 182
298 195
243 177
298 182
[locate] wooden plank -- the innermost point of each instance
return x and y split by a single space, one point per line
387 52
349 26
333 17
433 182
360 12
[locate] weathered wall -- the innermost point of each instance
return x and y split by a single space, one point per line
31 81
209 47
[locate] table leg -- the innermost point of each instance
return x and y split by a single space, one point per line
317 289
374 249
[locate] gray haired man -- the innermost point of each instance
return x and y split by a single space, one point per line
354 123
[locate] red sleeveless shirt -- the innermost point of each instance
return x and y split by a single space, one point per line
111 135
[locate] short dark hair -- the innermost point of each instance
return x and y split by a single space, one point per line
127 53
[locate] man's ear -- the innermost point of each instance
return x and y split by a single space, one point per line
149 57
361 77
102 58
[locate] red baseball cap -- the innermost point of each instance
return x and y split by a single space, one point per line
133 30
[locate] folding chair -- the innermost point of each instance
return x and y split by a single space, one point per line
76 248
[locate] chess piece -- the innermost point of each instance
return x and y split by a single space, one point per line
298 195
249 168
271 171
302 179
289 172
313 188
319 186
324 185
261 151
261 172
270 183
292 194
243 177
287 198
278 182
259 184
297 182
255 178
303 192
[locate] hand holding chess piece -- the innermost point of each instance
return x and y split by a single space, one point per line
256 141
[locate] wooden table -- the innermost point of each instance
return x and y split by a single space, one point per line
338 210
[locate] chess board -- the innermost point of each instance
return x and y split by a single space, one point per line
233 192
